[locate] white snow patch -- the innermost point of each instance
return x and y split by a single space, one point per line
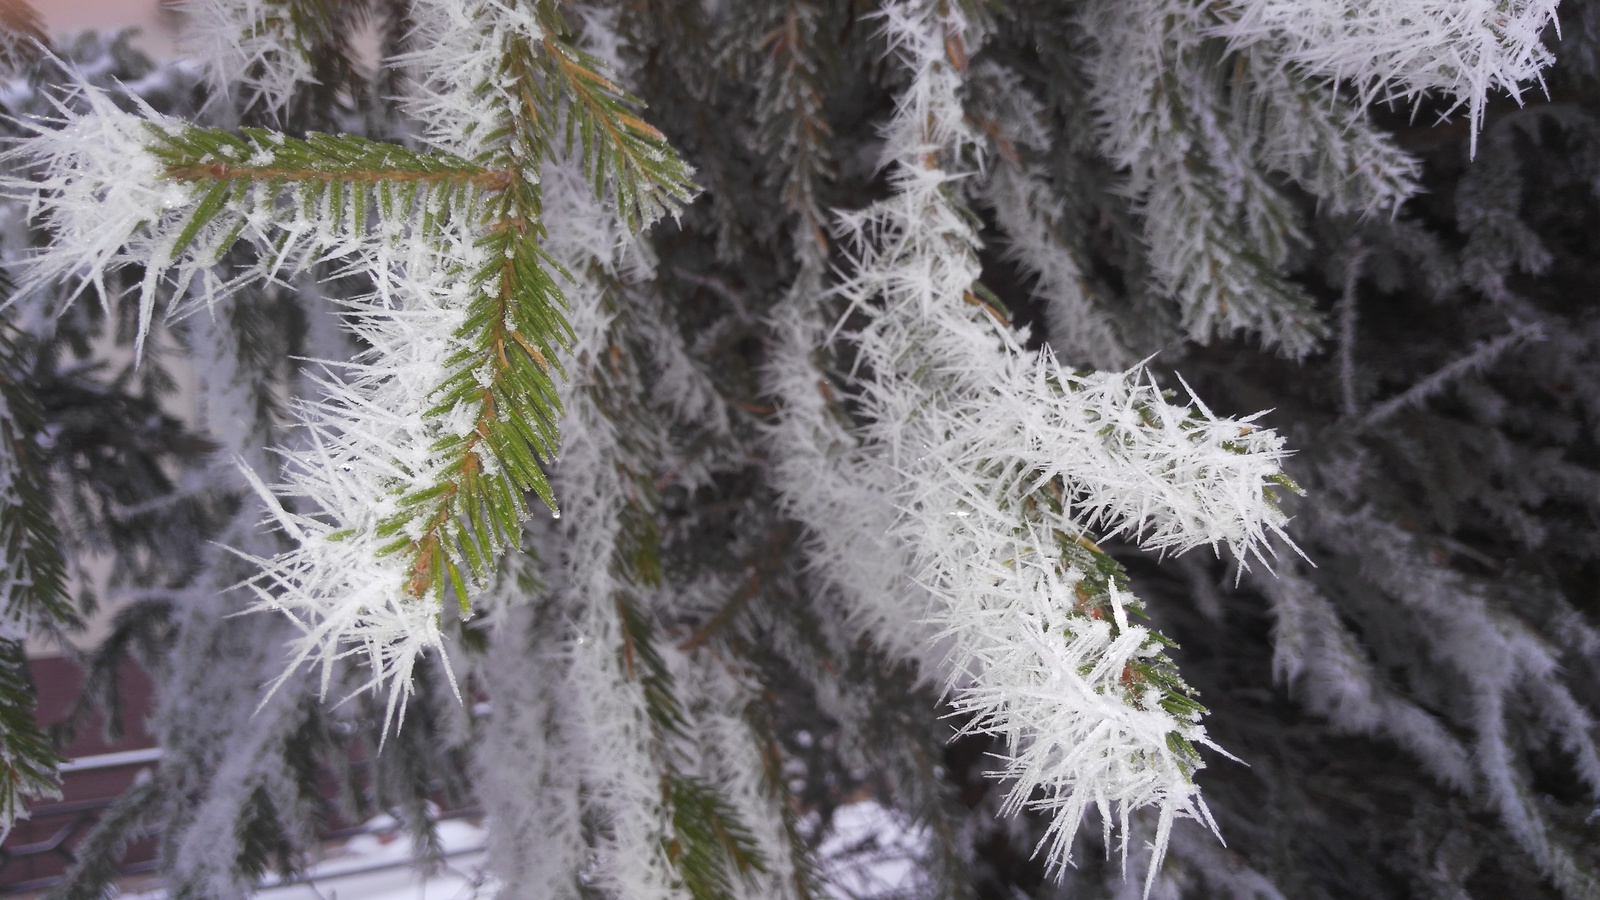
377 865
870 852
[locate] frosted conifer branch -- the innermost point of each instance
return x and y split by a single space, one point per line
266 49
225 768
520 61
988 465
793 129
458 49
421 450
1501 663
1034 220
952 483
670 830
1203 128
101 192
1498 241
1482 356
1328 145
1218 230
98 173
1316 654
842 492
739 756
1401 49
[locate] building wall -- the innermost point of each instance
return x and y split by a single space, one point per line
157 20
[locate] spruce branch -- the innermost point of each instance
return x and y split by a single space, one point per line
452 466
1402 50
28 757
418 343
783 36
33 595
205 156
620 151
1481 357
1218 230
323 195
512 329
269 52
993 462
1327 145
